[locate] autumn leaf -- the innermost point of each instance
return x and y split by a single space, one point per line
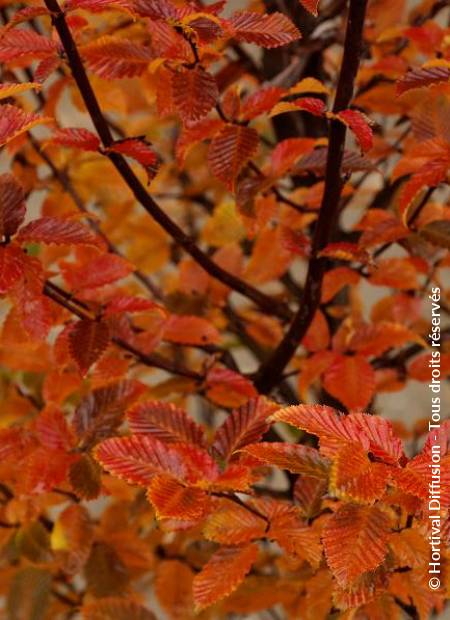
76 137
57 230
190 330
423 77
267 30
11 267
355 541
243 426
230 150
111 608
15 122
351 380
173 500
222 574
137 459
11 89
87 341
311 6
12 205
164 421
113 58
17 43
359 125
297 459
194 93
232 524
139 149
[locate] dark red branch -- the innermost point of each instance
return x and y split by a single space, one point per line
265 302
271 371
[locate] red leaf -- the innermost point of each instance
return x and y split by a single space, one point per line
193 330
15 121
173 500
422 77
243 426
165 422
297 459
11 267
266 30
53 431
110 57
355 541
111 608
101 270
360 125
232 524
87 341
127 303
430 175
222 574
19 42
311 6
45 68
313 105
350 379
228 388
230 150
140 150
12 205
76 137
260 102
194 93
138 458
57 230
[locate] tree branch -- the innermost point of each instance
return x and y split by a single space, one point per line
154 360
265 302
271 371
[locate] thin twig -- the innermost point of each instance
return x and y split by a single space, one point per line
265 302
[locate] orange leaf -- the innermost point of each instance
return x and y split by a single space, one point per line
232 524
173 500
355 541
311 6
266 30
76 137
139 149
360 126
173 588
350 379
164 421
194 93
116 609
296 458
111 57
58 230
17 43
12 266
243 426
423 77
260 102
16 122
355 478
230 150
228 388
12 205
222 574
193 330
87 341
137 459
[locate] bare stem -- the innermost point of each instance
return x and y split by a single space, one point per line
272 370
